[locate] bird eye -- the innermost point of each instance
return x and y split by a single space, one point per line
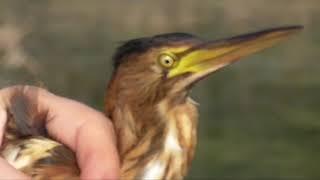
166 60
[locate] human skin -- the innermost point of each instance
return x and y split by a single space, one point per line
83 129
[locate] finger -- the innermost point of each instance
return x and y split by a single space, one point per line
8 171
86 131
103 163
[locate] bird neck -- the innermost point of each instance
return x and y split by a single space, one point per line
155 141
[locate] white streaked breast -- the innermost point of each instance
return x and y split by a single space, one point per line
154 170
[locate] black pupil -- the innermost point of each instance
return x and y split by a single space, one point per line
167 61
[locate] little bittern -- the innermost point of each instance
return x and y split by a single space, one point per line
147 100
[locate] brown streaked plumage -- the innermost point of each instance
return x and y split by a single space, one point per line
147 100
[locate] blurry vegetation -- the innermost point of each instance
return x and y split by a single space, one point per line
259 118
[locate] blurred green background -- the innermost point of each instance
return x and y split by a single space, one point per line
260 118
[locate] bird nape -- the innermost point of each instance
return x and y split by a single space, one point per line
147 100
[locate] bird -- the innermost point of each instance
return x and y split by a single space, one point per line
148 102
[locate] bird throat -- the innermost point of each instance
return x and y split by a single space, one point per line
155 141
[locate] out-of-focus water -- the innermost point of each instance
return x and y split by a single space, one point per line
260 118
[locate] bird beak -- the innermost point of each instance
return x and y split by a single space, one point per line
208 57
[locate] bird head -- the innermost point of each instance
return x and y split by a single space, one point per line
168 65
147 96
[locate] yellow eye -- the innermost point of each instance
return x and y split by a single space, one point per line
166 60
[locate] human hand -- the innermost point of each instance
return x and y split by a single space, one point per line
84 130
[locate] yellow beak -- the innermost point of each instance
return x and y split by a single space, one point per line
213 55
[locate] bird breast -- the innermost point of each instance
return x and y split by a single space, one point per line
157 168
173 160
